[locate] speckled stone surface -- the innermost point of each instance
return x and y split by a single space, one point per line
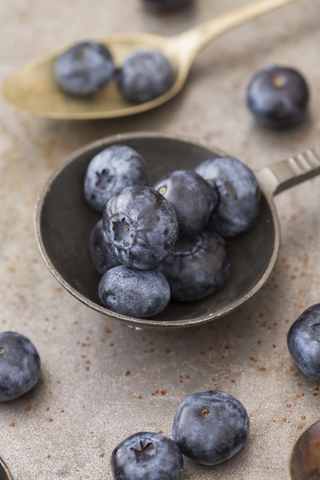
102 381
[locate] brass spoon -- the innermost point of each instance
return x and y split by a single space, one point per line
4 471
33 89
304 461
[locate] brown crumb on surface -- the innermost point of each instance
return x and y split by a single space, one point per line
12 424
163 392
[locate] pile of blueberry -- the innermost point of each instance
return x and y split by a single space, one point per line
164 242
88 67
209 428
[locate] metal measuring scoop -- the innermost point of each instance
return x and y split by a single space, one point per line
34 90
63 222
5 473
304 461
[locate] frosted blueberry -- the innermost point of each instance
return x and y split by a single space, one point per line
210 427
238 195
100 255
145 75
140 227
112 170
84 69
19 365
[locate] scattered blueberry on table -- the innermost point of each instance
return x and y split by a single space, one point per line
210 427
136 293
140 227
19 365
145 75
278 96
146 456
197 267
100 255
112 170
238 194
303 342
191 197
84 69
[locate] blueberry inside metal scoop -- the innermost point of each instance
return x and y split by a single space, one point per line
33 88
64 220
5 473
304 462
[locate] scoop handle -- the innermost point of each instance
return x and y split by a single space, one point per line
285 174
199 36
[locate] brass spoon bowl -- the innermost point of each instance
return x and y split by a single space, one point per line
304 462
63 223
5 473
33 89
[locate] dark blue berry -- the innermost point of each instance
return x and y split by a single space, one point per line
197 268
146 456
191 197
19 365
304 342
84 69
140 227
210 427
145 75
278 96
238 195
112 170
100 255
135 293
166 5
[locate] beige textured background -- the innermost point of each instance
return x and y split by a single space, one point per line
87 401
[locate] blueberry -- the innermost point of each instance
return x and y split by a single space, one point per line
210 427
146 456
166 5
278 96
191 197
112 170
84 69
197 268
140 227
145 75
100 255
304 342
238 195
19 365
136 293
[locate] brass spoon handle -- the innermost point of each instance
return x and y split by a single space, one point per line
285 174
199 36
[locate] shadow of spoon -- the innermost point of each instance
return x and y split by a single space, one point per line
5 473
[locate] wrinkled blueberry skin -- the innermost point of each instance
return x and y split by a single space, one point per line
135 293
100 255
19 365
84 69
166 5
238 195
210 427
146 456
112 170
303 342
197 268
140 227
278 97
145 75
191 197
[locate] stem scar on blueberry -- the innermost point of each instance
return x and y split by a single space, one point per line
97 247
206 413
278 81
162 190
80 54
1 351
142 451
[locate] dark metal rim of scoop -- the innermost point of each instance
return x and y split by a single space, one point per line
5 473
272 180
